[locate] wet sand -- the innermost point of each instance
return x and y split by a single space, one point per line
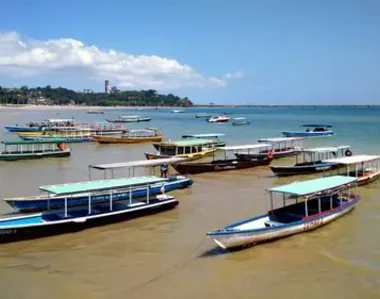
169 256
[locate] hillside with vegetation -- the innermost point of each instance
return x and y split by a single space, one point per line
62 96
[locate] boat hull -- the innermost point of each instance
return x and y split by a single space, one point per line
307 134
232 239
241 123
55 227
30 155
276 154
303 168
66 139
108 139
22 129
41 203
189 157
218 165
129 120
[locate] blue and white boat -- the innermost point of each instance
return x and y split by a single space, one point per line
70 219
240 121
314 203
45 202
37 126
312 130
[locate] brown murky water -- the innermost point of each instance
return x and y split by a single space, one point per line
169 256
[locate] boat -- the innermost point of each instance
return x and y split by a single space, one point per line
129 119
178 111
95 112
191 149
219 119
240 121
203 115
36 126
225 164
281 147
25 150
312 161
307 205
73 219
44 202
69 137
366 168
132 136
312 130
213 136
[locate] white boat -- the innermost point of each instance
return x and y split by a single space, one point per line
178 111
314 203
240 121
219 119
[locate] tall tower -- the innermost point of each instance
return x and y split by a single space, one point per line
107 88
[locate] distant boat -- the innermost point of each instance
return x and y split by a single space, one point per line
219 119
203 115
178 111
312 130
95 112
240 121
130 119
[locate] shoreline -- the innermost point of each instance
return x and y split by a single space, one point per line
104 108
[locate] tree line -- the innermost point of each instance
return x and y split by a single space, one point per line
63 96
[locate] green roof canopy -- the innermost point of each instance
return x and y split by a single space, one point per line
92 186
186 142
26 142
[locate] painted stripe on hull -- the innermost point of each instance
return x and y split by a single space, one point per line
307 134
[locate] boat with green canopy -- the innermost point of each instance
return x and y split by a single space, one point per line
36 149
72 219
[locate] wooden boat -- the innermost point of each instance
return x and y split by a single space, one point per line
219 119
36 126
44 202
78 218
130 119
226 164
95 112
312 161
312 130
366 168
240 121
132 136
69 137
191 149
24 150
281 147
324 200
208 136
203 115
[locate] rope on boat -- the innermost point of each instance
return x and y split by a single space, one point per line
180 264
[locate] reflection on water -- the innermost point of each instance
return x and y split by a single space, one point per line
168 254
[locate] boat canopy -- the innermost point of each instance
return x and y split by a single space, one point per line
207 135
244 147
317 126
31 142
187 142
93 186
324 149
279 139
130 116
313 186
141 163
240 118
353 159
59 120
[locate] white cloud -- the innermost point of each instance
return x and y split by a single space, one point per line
24 57
236 75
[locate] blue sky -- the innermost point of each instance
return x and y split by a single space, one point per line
264 52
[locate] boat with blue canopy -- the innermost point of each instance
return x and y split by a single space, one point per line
305 206
311 161
312 130
129 169
72 219
209 136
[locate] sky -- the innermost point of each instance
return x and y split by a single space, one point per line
220 51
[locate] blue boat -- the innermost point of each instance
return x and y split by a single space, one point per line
37 126
240 121
312 130
92 214
71 139
313 203
44 202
